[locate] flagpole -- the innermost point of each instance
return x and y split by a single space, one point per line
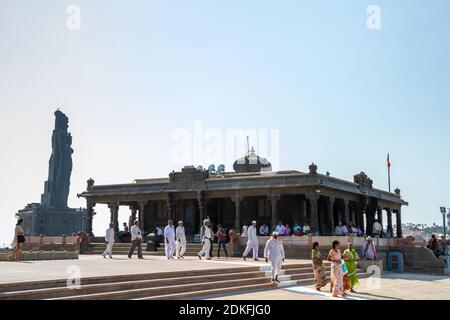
389 173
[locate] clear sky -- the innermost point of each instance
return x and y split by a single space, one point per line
340 94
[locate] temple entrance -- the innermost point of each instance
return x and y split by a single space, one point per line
290 210
190 216
221 211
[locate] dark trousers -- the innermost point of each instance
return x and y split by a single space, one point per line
136 243
211 249
222 244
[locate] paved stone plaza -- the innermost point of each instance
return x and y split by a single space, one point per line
392 286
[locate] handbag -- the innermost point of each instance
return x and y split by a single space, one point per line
20 238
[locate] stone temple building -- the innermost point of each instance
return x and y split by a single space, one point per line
52 216
252 192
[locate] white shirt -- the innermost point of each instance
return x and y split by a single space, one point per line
169 233
207 233
264 230
251 232
135 233
339 231
371 251
274 249
377 227
159 231
109 235
244 231
179 233
280 229
344 228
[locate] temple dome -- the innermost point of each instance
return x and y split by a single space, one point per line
252 163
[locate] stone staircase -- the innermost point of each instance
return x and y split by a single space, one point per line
192 284
192 249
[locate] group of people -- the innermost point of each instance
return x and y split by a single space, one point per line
207 237
343 268
439 247
281 229
273 251
136 240
343 229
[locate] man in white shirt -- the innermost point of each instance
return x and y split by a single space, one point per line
339 231
377 228
280 229
136 240
306 229
181 240
109 239
206 236
274 252
252 243
264 230
169 239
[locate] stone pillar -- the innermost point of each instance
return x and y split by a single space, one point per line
399 223
346 211
314 217
201 208
274 210
380 214
168 209
330 206
141 218
389 221
89 219
353 215
237 217
114 209
133 215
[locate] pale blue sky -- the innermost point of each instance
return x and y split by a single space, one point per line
340 94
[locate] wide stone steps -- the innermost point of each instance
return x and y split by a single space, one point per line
191 284
60 292
39 289
171 289
213 292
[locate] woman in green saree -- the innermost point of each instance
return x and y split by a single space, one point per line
351 261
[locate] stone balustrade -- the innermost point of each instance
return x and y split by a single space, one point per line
43 255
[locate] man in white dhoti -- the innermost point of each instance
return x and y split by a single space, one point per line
181 240
274 252
169 239
109 239
252 242
206 236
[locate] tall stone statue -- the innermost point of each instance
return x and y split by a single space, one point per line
56 190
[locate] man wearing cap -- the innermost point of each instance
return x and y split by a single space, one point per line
169 239
109 239
136 240
206 236
252 243
274 252
181 240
